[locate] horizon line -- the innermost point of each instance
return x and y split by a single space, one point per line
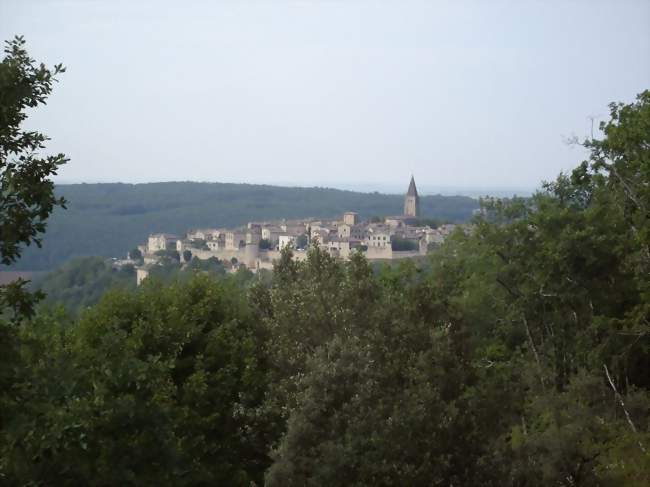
340 185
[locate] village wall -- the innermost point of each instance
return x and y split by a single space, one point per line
222 254
379 252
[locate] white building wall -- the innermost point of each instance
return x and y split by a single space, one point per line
284 240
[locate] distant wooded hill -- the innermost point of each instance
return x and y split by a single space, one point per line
110 219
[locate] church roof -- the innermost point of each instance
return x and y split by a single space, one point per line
413 191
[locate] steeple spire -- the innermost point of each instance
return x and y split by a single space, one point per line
412 191
412 201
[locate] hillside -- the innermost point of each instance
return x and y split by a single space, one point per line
109 219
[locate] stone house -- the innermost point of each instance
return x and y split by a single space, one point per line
339 247
202 234
293 228
378 236
356 232
161 241
271 233
254 235
235 239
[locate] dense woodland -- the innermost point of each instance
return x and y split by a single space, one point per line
518 354
83 281
110 219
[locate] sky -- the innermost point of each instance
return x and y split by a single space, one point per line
354 94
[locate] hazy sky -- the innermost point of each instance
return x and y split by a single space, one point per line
461 93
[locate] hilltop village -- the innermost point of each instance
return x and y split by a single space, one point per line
258 244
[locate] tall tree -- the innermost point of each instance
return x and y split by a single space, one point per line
26 190
26 201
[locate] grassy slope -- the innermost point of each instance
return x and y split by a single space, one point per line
109 219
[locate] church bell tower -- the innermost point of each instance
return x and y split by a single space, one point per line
412 201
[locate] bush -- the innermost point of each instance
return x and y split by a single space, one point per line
401 244
169 254
265 244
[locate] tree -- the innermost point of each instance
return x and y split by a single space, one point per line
135 254
200 244
153 387
624 156
265 244
27 199
169 255
572 264
372 379
187 255
302 241
534 325
403 244
27 196
82 282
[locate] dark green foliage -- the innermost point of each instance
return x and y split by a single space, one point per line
82 282
169 255
27 195
302 241
201 244
149 388
135 254
26 201
375 380
265 244
401 244
165 270
27 192
109 219
211 264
